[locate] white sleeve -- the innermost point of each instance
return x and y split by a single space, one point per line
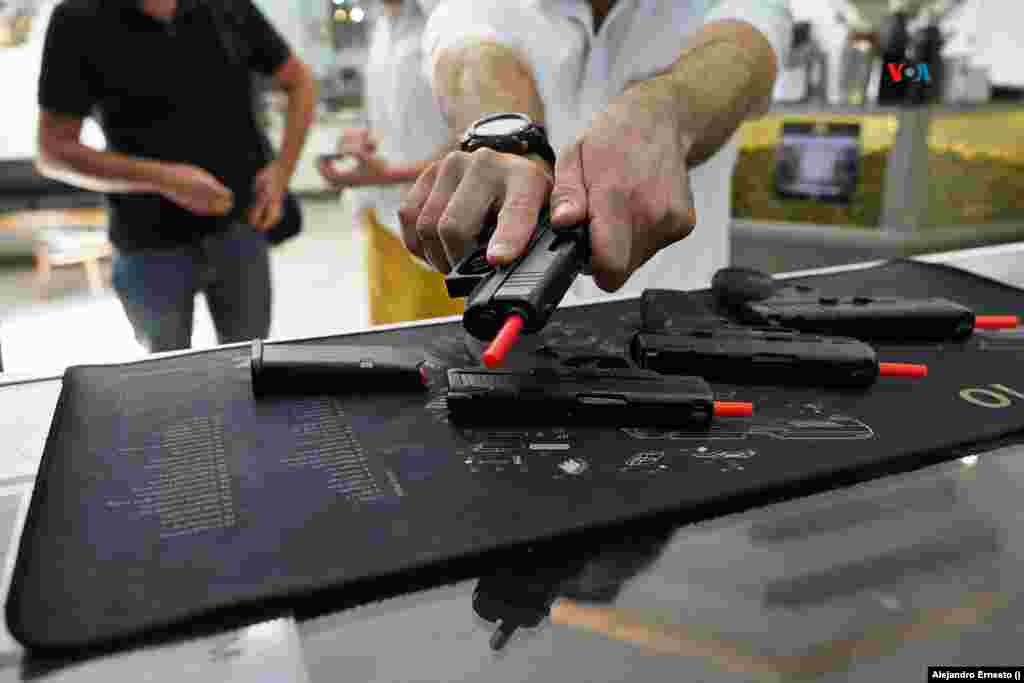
461 21
771 17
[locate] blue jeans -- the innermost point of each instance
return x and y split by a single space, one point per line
157 288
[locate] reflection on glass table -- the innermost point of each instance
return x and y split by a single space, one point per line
872 582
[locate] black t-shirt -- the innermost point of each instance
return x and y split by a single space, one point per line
164 91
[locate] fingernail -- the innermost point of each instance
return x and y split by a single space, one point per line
562 207
498 251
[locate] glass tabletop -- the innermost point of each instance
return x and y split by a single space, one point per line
873 582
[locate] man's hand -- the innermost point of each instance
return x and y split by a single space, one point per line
192 188
369 171
627 176
269 188
627 173
446 210
358 142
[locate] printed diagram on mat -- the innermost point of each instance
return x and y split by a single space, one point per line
657 462
790 420
521 450
568 453
510 453
551 453
726 460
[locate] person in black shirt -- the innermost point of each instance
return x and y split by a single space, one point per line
190 177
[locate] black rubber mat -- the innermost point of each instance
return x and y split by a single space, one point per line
167 494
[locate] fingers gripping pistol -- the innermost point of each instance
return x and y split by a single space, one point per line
504 301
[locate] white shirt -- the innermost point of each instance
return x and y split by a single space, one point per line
578 72
986 32
402 112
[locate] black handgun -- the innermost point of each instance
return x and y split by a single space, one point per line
590 395
592 568
520 596
757 298
520 297
286 369
668 310
742 355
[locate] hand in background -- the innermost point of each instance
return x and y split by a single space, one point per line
357 142
192 188
355 172
269 189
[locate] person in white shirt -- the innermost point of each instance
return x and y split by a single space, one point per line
640 99
406 133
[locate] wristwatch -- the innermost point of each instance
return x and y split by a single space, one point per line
509 133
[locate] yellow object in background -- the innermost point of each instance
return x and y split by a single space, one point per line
401 289
993 134
15 30
975 170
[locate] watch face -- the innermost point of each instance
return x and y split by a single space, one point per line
508 125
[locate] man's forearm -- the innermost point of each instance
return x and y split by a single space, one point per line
480 78
299 118
722 78
99 171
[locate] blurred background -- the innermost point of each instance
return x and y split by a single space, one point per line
844 168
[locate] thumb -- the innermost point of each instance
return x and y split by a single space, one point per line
222 191
611 239
211 181
569 196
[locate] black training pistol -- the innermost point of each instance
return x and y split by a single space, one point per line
757 298
520 297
